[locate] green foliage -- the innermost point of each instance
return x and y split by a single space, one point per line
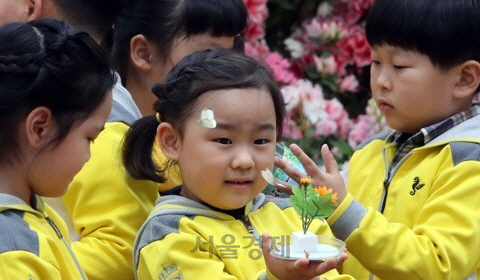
310 205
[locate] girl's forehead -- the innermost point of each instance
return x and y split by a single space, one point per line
232 104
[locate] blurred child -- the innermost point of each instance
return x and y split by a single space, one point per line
55 96
106 205
219 114
411 211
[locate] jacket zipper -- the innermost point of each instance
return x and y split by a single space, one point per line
59 234
246 221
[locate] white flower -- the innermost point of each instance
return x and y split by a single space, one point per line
207 118
324 9
294 47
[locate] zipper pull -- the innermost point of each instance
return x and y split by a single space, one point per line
52 224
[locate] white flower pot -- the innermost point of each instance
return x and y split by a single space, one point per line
304 242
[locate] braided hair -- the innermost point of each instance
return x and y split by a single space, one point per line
45 63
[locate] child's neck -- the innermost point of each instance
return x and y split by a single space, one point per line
236 213
12 185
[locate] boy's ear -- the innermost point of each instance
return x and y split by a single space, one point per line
34 9
39 127
469 79
141 53
169 140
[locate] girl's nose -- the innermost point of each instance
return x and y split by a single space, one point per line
243 160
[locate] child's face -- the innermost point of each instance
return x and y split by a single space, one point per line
12 11
411 92
56 166
221 166
184 46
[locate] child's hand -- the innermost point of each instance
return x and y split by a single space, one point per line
299 269
330 178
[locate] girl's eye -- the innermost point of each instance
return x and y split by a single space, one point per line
261 141
224 141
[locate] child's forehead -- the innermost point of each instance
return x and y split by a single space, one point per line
236 103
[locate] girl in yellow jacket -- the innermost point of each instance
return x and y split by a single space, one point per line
54 100
219 114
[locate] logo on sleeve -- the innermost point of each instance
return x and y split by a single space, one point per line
170 272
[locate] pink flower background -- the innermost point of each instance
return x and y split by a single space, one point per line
320 67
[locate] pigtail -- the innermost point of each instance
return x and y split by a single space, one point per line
138 150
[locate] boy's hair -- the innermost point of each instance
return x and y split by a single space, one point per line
162 21
195 75
45 63
447 31
96 16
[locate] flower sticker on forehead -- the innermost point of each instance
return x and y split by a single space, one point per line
207 118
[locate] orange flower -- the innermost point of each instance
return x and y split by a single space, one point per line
334 197
322 190
305 181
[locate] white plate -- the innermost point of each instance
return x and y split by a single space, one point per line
327 248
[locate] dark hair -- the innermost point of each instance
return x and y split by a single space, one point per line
447 31
161 21
45 63
95 16
196 74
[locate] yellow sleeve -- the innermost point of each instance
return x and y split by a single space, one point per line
26 265
107 208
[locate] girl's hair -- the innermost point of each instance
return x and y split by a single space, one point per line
195 75
45 63
447 31
162 21
92 15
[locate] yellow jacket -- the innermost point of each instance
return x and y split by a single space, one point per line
430 225
105 204
184 239
34 242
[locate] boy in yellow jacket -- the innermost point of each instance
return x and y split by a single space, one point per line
411 211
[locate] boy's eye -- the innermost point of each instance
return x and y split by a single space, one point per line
375 62
261 141
399 67
224 141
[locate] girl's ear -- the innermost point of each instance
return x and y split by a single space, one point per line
469 79
141 53
34 9
168 140
39 127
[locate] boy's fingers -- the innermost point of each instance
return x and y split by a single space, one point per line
291 171
310 166
329 160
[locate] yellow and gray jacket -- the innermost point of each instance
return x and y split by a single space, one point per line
34 243
421 220
106 206
184 239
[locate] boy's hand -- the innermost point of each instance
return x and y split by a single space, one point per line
330 178
296 269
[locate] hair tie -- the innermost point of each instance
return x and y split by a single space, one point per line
157 116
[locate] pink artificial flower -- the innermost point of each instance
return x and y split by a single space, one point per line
325 127
352 11
334 109
326 64
258 49
353 50
257 14
280 67
290 128
349 83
